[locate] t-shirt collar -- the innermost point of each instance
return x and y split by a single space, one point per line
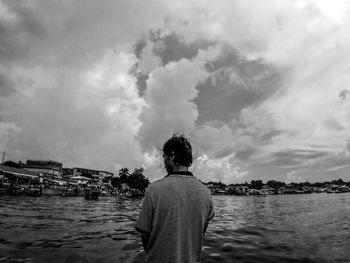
188 173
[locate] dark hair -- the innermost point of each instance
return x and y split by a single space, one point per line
180 148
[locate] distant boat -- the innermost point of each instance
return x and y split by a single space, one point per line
69 192
36 192
92 193
333 191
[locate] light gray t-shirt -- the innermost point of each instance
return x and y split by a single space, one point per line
174 213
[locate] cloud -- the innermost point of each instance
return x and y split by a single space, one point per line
263 87
292 177
8 131
337 168
234 83
148 60
67 81
84 121
6 85
169 95
343 94
214 142
218 170
171 47
161 47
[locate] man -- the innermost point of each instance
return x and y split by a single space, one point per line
176 210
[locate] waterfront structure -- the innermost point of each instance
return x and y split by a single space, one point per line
241 190
99 175
67 172
58 181
267 190
16 180
217 188
46 168
80 180
9 172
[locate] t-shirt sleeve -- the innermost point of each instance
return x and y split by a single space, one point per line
211 212
144 222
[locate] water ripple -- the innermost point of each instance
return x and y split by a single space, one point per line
297 228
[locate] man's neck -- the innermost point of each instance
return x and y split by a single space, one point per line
180 168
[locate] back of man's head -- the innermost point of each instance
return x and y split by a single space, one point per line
179 148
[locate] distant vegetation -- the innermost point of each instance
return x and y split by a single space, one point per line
258 184
278 187
134 180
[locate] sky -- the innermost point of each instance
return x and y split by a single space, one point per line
260 88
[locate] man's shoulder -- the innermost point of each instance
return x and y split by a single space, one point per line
156 184
204 188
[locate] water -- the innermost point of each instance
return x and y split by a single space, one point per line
283 228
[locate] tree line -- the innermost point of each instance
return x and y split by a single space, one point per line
258 184
135 180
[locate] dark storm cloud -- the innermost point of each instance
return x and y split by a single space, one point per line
235 83
142 83
343 94
173 48
139 46
223 100
18 35
141 78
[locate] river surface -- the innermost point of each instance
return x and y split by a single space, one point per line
279 228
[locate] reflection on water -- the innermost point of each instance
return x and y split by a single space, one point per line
293 228
52 229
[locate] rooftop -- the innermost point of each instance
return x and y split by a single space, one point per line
17 171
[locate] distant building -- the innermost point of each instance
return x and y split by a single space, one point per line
96 174
80 180
7 172
217 188
59 182
16 180
241 190
268 190
45 167
67 172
